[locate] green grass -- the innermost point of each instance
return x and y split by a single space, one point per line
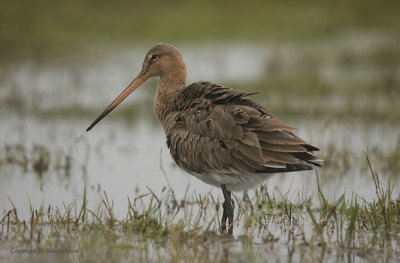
157 227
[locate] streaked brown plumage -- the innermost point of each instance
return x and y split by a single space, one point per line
217 134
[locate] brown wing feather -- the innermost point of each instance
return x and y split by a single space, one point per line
216 129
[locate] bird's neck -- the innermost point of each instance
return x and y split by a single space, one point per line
169 87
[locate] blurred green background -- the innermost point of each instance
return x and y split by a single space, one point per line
324 51
47 29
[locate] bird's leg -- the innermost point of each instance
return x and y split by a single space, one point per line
228 207
224 218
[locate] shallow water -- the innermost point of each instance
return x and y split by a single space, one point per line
122 159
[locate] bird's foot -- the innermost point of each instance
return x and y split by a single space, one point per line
227 217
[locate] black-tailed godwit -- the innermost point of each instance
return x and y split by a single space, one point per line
218 134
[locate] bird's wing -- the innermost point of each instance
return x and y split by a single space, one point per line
218 129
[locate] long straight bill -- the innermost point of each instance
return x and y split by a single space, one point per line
134 84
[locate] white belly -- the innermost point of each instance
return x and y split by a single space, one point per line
233 182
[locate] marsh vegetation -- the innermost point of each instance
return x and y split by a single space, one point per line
332 70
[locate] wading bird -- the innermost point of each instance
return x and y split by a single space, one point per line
218 134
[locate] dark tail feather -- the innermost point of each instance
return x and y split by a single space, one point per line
309 158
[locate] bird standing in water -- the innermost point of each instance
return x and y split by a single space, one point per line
218 134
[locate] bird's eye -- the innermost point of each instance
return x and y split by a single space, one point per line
154 57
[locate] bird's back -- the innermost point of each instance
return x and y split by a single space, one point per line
223 137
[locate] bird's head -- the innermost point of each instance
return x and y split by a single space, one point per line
160 60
